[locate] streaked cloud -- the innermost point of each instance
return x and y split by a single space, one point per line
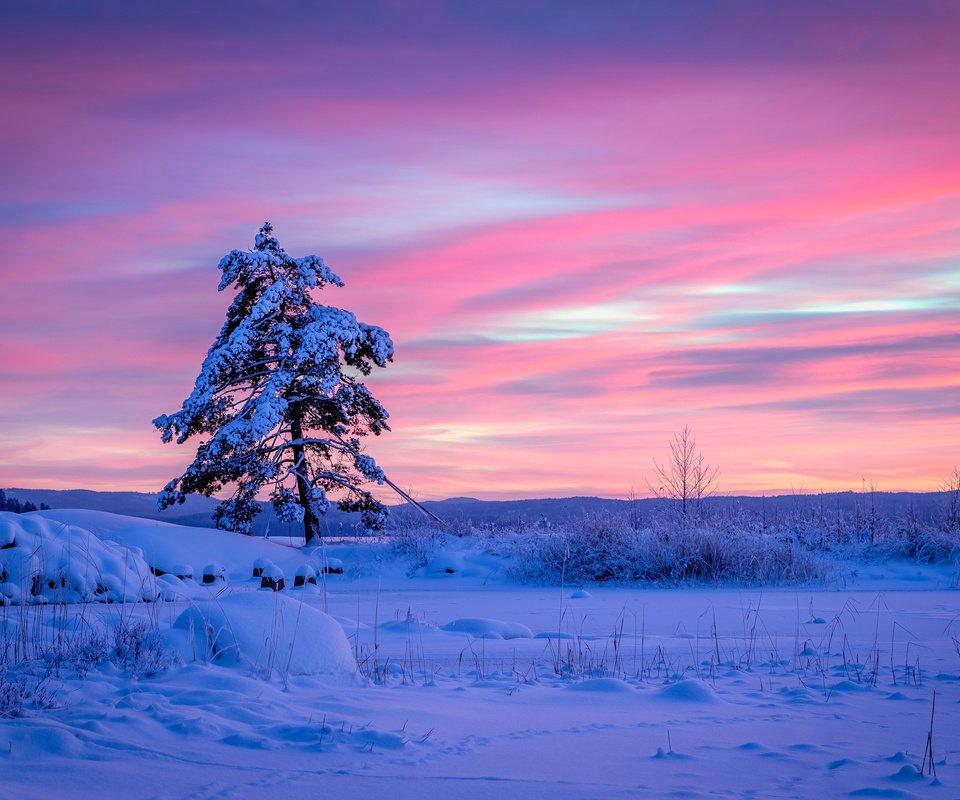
584 225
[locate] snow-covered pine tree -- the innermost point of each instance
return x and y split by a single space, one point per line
278 399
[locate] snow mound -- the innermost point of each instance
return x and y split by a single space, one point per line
407 626
447 563
603 686
268 632
489 628
45 560
688 691
465 557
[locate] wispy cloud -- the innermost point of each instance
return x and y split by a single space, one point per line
584 225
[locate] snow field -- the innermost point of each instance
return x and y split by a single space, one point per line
475 685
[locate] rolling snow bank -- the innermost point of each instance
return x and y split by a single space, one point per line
266 632
74 556
168 547
48 560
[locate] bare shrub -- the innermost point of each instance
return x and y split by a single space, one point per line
415 539
21 689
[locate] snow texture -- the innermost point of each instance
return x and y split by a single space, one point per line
626 691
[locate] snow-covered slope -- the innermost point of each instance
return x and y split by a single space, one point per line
165 546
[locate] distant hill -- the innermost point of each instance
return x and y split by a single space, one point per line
198 511
558 510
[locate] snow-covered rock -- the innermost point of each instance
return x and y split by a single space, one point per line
213 573
305 574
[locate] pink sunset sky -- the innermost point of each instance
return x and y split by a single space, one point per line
585 225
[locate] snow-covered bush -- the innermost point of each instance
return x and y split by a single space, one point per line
132 645
41 645
416 542
922 542
138 649
20 689
605 548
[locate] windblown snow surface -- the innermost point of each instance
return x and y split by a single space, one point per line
453 680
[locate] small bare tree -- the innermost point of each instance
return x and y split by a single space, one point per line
684 477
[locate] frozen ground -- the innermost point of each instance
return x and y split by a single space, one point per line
455 681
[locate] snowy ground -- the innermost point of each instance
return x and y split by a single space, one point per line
472 686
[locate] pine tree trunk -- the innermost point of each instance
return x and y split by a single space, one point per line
311 524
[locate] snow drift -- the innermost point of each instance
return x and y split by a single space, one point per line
267 632
46 560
